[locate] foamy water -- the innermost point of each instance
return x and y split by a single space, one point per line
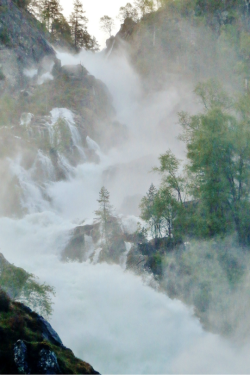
109 317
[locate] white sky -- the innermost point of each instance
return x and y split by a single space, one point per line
95 9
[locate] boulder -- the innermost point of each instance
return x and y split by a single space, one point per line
20 357
74 71
48 363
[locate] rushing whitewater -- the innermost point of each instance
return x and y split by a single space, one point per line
109 317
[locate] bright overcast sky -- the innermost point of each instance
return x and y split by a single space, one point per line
95 9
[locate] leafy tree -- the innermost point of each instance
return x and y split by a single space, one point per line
150 214
128 11
144 6
169 167
218 149
23 287
107 24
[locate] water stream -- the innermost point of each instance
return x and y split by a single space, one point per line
107 316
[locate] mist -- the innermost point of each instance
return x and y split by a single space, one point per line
114 319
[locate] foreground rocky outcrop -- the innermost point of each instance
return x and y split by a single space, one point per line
29 345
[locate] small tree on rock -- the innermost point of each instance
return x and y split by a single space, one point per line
144 6
104 213
128 12
107 24
78 22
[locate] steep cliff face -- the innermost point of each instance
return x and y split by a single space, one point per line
48 112
29 345
22 44
180 42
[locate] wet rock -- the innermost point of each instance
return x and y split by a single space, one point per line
76 248
20 357
74 71
48 363
74 251
48 332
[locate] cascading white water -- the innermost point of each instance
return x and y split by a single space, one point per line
108 317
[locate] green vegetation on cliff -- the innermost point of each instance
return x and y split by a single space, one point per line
23 287
20 328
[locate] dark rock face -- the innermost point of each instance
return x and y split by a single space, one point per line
23 44
48 332
76 248
24 33
20 357
74 71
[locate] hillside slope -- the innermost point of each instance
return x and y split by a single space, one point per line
29 345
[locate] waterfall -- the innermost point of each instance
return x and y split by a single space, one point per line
109 317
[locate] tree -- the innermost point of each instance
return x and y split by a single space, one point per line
78 22
46 11
51 10
104 213
23 287
218 150
107 24
61 29
144 6
149 212
128 11
169 167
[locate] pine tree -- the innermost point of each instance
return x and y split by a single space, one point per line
104 213
78 22
51 11
149 212
46 11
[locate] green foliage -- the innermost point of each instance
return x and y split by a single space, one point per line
128 11
22 3
2 76
217 175
107 24
104 214
9 110
211 276
61 29
144 6
4 36
22 286
4 301
79 32
218 152
18 323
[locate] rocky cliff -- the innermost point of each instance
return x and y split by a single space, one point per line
29 345
23 44
49 113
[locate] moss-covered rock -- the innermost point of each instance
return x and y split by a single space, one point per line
24 349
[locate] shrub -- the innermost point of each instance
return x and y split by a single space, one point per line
2 76
4 301
4 36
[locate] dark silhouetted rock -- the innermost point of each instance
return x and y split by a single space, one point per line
20 357
48 363
48 332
